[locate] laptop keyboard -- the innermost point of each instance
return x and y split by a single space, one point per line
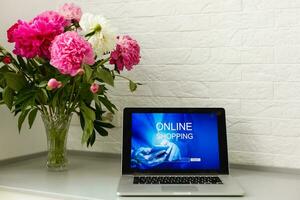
177 180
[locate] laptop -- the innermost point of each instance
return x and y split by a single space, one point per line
175 152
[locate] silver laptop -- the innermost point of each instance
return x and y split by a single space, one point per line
175 152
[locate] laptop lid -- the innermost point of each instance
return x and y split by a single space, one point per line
174 141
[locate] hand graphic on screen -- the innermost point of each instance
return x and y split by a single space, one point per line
150 157
173 150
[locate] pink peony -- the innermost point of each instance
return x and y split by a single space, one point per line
69 51
126 54
24 37
34 38
10 32
94 88
71 12
53 84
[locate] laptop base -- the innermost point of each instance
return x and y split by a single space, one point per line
228 188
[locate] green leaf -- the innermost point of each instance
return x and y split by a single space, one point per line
87 112
88 130
24 95
42 84
21 62
84 95
15 81
4 69
88 72
81 120
105 75
99 112
55 99
132 86
89 117
8 97
29 66
107 104
97 101
17 109
32 116
22 118
103 124
100 130
28 104
43 96
91 139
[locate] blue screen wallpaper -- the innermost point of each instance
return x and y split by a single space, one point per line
174 141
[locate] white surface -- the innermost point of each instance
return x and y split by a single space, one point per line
14 195
97 178
243 55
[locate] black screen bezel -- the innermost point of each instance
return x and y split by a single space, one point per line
126 155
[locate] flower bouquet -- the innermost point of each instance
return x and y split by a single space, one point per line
58 68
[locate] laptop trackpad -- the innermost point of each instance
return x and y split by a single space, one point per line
181 188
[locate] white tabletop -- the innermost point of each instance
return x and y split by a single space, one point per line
91 177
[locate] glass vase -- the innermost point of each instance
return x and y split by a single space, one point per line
57 128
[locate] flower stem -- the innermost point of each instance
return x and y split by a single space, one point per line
103 62
123 77
70 98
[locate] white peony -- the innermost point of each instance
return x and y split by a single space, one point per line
104 39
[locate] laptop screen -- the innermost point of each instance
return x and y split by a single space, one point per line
175 141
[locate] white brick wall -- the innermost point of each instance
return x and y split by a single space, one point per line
243 55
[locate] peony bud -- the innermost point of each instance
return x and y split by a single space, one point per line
53 84
94 88
6 60
80 71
